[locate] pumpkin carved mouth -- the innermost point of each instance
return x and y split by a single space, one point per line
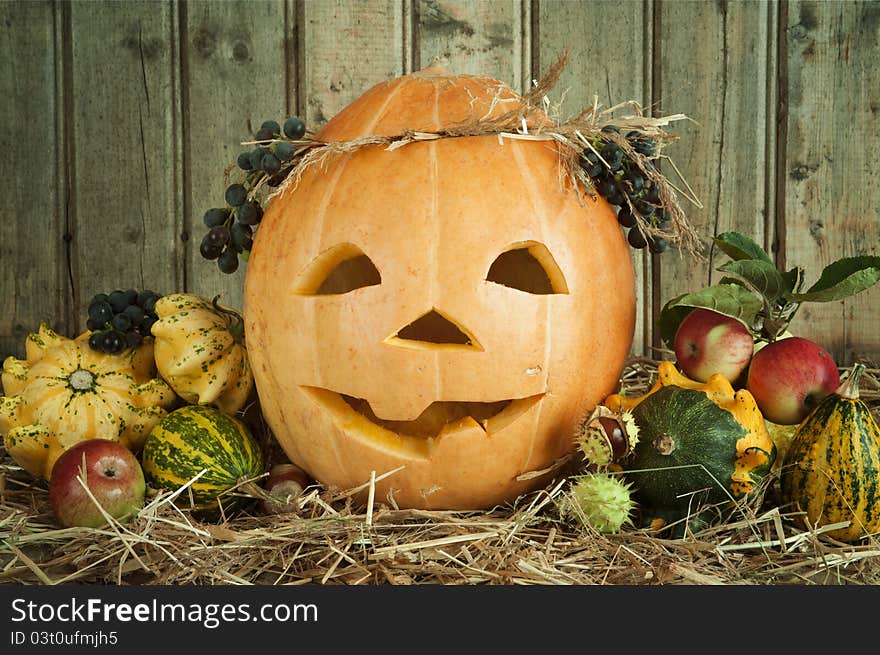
438 419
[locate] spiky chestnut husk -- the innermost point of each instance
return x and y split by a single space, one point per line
602 501
606 436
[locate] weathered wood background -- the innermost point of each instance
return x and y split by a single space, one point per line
117 120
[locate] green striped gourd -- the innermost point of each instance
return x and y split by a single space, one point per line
832 466
195 438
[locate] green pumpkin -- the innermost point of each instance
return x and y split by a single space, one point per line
701 447
832 466
196 438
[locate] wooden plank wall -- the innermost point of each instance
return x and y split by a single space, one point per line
118 119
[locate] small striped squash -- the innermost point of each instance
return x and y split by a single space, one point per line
832 468
196 438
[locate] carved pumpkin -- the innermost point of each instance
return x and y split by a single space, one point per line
453 307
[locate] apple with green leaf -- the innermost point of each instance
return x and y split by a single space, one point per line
789 377
707 342
114 478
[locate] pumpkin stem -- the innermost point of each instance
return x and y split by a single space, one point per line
234 320
81 380
849 388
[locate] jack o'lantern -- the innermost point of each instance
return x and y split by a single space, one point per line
453 307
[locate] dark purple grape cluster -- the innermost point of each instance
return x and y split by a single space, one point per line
624 184
121 319
231 228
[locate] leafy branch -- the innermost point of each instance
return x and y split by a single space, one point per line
761 296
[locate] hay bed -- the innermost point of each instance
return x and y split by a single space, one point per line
331 539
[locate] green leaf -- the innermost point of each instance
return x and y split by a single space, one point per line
732 300
763 276
738 246
841 279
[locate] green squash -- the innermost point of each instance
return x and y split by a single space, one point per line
701 448
196 438
832 468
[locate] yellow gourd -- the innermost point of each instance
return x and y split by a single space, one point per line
64 392
200 351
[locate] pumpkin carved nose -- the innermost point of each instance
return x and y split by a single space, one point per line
433 331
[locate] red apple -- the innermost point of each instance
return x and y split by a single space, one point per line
707 342
113 475
789 377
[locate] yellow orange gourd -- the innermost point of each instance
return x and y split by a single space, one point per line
64 392
700 444
445 312
832 466
200 351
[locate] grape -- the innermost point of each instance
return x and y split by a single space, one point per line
217 236
146 295
235 195
636 239
625 217
270 163
118 301
294 128
100 297
208 250
644 208
239 233
283 150
215 216
93 325
120 322
134 339
131 296
645 146
228 261
264 134
146 325
96 341
114 342
245 162
100 311
658 245
134 314
612 154
149 305
278 177
636 180
271 126
608 129
249 214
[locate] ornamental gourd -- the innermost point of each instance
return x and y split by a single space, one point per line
832 466
201 441
700 444
64 392
448 310
200 351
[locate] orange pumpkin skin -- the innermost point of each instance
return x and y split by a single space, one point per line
432 217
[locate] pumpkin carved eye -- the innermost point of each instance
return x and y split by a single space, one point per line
528 266
338 270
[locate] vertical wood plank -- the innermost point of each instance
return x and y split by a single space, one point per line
831 163
235 77
476 38
32 250
347 47
723 85
591 32
126 153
